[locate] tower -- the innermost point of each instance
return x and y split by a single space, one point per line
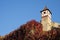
46 19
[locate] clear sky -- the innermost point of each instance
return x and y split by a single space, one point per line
14 13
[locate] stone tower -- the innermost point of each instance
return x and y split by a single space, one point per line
46 19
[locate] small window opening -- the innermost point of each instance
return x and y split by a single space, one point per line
44 12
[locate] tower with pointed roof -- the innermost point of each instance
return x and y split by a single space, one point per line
46 19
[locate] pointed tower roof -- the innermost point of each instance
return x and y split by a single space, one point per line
45 8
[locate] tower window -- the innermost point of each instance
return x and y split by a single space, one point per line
44 12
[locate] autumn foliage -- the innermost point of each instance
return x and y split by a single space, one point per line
32 30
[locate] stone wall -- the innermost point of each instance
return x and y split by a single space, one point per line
55 24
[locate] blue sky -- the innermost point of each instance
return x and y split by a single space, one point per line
14 13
